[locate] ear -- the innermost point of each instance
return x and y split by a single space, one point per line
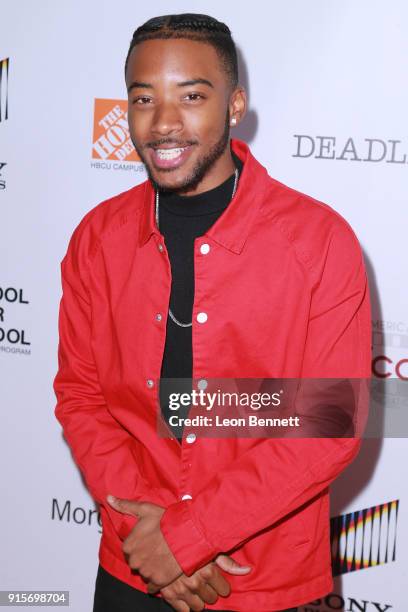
237 106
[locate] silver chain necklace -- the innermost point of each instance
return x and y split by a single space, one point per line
171 315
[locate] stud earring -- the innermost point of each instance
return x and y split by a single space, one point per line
234 121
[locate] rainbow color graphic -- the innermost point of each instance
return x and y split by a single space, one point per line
364 538
4 72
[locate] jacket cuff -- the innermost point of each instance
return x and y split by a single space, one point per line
184 539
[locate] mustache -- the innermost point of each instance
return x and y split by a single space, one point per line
154 144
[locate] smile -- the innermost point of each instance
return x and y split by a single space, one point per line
169 153
170 158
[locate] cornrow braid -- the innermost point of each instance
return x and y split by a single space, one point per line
193 26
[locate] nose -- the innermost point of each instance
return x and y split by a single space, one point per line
167 120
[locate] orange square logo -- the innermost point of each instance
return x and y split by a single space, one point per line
111 138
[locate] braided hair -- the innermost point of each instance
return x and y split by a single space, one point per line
192 26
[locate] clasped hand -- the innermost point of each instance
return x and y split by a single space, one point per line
146 551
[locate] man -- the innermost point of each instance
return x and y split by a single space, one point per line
209 269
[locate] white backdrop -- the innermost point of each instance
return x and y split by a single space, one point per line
328 96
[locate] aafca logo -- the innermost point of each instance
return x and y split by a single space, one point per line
111 140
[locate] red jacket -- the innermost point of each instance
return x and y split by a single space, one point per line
285 292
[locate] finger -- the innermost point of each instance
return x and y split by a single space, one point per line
185 590
178 605
196 585
126 506
207 593
217 581
228 564
193 601
153 588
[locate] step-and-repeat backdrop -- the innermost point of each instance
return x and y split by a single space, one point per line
328 95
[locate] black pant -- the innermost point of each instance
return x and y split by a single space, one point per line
113 595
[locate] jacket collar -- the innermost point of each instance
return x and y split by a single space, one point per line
233 225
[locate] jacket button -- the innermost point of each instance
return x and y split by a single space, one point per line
202 384
149 383
158 317
202 317
186 496
204 249
190 438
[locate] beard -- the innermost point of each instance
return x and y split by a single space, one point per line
199 171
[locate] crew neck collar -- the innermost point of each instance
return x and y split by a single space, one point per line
205 203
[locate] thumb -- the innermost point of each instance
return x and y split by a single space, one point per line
126 506
228 564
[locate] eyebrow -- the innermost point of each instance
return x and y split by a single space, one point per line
196 82
141 85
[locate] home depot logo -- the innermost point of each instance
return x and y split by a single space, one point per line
111 140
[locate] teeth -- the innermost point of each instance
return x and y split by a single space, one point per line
169 153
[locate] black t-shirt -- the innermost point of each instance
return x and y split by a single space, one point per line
182 219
